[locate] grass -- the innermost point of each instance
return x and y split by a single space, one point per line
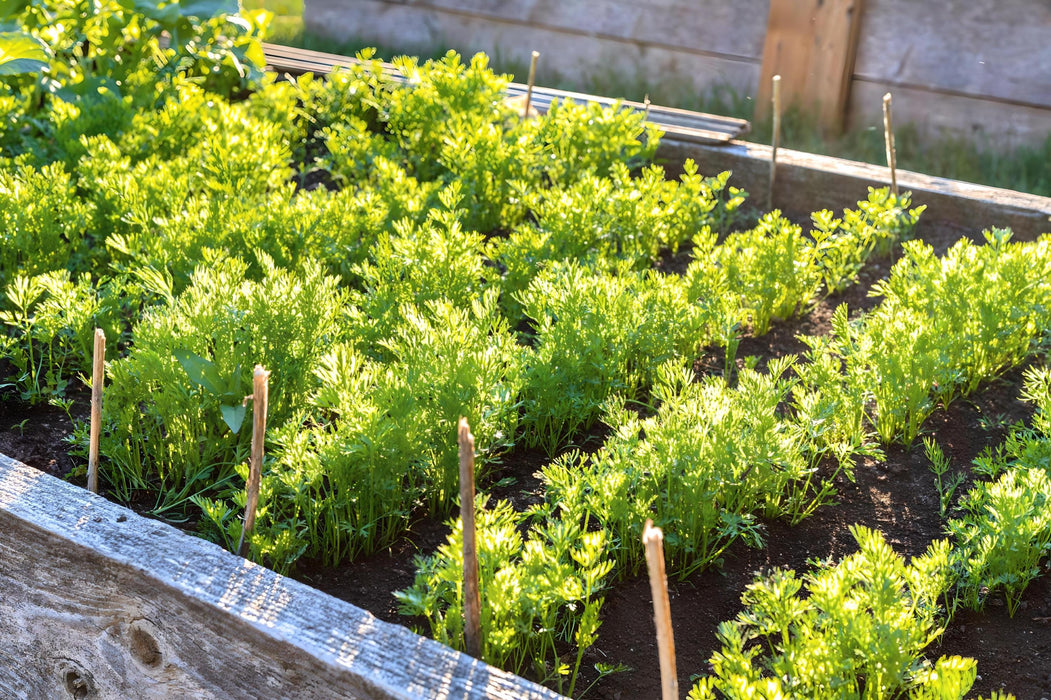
1026 169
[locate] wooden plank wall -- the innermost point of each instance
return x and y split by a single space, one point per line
980 69
971 68
97 602
812 46
687 45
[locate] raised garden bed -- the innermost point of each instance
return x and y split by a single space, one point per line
603 325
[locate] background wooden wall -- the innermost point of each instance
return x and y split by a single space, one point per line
980 69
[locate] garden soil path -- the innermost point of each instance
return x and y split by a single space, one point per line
896 496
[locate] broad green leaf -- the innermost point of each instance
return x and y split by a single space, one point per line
207 9
21 54
164 15
11 8
92 89
200 371
234 416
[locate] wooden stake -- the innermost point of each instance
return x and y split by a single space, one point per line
472 605
260 397
892 155
653 539
776 139
529 88
98 377
646 111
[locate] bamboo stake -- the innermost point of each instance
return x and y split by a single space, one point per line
472 606
892 155
776 139
98 377
653 539
260 397
529 89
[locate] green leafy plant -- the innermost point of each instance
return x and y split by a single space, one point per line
168 429
538 590
710 461
598 334
51 321
939 465
1004 531
606 220
42 221
858 631
844 245
944 325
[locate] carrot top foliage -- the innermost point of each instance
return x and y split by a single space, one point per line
400 249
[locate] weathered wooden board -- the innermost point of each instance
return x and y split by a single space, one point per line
984 48
732 29
97 602
811 45
599 58
987 123
994 52
807 182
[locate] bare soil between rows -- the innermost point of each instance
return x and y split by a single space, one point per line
896 496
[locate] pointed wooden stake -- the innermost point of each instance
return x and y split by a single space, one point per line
529 88
653 539
98 377
892 155
775 139
472 605
260 397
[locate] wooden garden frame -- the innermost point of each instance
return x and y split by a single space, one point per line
98 602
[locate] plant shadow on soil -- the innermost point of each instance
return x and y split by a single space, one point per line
896 496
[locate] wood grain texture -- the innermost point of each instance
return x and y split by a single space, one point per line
583 57
985 48
97 602
987 123
653 541
807 182
812 46
734 30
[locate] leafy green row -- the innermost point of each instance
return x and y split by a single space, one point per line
944 326
712 457
1003 531
861 626
857 631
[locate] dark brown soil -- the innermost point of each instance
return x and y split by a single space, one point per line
34 435
896 496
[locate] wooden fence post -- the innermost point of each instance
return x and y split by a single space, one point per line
260 397
98 378
653 539
472 603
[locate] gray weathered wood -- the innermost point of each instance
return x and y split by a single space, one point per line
807 182
97 602
581 56
985 48
965 68
987 123
730 29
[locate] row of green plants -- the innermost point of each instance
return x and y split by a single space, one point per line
381 210
707 460
401 250
858 628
